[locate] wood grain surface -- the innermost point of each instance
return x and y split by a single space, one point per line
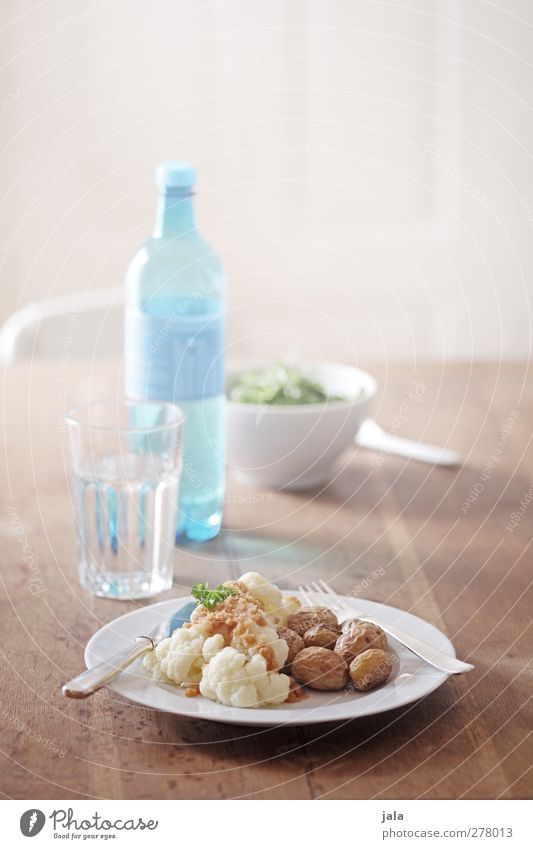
441 540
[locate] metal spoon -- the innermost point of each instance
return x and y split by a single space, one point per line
103 673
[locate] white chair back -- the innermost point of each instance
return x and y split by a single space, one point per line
82 325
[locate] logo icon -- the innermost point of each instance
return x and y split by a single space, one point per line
32 822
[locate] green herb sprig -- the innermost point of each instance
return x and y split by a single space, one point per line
211 598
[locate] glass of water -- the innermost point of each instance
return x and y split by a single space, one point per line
125 466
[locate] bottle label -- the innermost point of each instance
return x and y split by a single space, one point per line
174 357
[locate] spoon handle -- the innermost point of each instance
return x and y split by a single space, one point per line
98 676
370 435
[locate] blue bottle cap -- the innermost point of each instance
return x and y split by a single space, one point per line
175 174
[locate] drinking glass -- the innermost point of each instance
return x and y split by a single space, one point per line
125 466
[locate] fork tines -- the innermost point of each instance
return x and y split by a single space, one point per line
321 593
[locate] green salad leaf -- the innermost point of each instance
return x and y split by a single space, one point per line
279 384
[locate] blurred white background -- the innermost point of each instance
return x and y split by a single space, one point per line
365 168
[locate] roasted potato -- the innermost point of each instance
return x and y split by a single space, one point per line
348 624
308 617
321 635
294 642
320 668
370 668
359 638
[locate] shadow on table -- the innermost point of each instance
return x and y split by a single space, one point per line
319 742
245 546
421 490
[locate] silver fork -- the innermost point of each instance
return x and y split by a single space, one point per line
322 593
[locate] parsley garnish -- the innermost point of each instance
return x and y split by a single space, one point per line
211 598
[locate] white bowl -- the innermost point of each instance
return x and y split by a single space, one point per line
295 447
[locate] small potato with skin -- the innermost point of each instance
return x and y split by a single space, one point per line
370 669
321 635
365 635
348 624
308 617
320 668
294 642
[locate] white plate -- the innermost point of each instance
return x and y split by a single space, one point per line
411 678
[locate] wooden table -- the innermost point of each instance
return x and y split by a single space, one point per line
444 541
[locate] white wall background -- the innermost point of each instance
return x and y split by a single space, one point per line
365 167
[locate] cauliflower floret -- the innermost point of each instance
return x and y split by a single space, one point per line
267 594
237 682
277 607
252 637
290 605
151 663
197 615
178 658
233 658
212 646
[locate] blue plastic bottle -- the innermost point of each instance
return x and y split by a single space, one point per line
174 343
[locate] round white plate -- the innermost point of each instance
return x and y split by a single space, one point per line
411 678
